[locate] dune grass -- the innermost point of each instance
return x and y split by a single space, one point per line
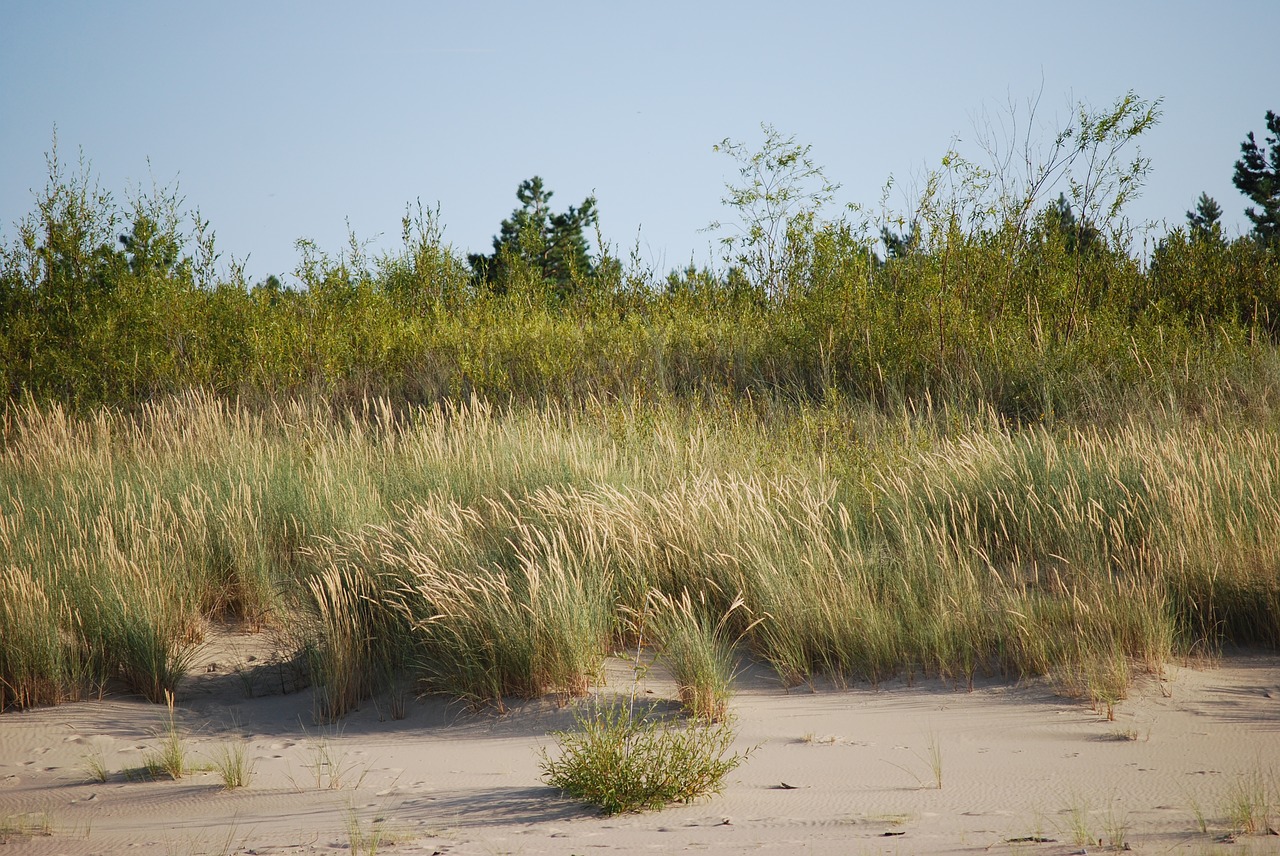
233 765
621 760
489 553
15 827
697 650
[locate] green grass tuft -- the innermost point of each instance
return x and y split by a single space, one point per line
621 761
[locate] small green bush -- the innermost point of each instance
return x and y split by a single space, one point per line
622 761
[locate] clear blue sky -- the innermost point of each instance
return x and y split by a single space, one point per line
282 120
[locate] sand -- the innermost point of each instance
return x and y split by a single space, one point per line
831 771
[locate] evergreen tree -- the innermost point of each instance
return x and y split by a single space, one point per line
1204 221
900 245
150 247
1061 220
1257 176
553 245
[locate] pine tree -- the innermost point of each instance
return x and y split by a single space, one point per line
1257 176
553 245
1062 221
1204 221
900 245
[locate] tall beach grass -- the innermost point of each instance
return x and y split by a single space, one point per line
487 552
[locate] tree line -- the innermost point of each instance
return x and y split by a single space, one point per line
985 291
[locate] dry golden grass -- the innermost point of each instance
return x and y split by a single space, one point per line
488 553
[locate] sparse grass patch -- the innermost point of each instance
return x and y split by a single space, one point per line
95 765
1078 824
1197 811
330 768
29 825
935 760
1116 826
234 765
361 839
1122 735
368 838
1251 798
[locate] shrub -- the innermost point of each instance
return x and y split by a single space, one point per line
622 761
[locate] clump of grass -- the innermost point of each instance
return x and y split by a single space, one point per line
488 620
171 758
1116 826
1197 811
242 582
95 765
36 662
621 761
367 839
343 655
935 760
1078 812
932 757
234 766
1249 802
152 657
362 840
397 699
696 649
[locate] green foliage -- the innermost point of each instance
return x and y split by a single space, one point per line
1257 176
428 277
990 295
536 246
1062 225
1206 280
781 193
623 761
898 245
1204 222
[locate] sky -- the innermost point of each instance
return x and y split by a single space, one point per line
288 120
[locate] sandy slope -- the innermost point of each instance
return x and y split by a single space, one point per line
1017 763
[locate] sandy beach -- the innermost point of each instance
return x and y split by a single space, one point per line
831 770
